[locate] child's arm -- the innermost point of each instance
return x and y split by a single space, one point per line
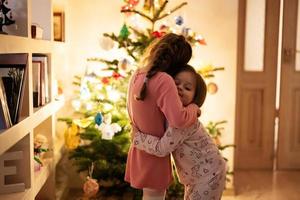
163 146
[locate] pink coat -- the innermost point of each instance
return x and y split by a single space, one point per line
149 116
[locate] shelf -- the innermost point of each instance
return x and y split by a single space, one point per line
34 121
11 136
26 195
41 176
16 44
14 134
43 113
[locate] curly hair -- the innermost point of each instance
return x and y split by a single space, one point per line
167 54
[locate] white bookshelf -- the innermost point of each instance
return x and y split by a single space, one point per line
42 120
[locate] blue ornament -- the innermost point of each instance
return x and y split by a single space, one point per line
179 20
98 119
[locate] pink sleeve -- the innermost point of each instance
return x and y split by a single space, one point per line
169 102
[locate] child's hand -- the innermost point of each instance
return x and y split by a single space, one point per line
199 113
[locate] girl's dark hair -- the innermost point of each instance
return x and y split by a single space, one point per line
167 54
201 88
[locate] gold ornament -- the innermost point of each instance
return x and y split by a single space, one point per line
72 140
212 88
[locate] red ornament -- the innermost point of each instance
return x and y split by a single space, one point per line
126 8
116 75
105 80
201 41
158 34
133 2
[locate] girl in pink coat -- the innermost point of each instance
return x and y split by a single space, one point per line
199 164
152 102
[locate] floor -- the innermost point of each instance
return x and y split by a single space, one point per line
266 185
249 185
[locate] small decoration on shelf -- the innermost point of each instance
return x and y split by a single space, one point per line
6 18
40 147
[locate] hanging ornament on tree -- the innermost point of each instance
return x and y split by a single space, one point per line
133 2
200 40
185 31
91 186
179 20
148 4
106 43
212 88
123 64
98 119
124 33
158 34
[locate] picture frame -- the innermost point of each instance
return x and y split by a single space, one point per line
58 26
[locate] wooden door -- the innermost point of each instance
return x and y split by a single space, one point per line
289 114
258 29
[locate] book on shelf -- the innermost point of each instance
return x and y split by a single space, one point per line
13 72
36 82
41 61
5 120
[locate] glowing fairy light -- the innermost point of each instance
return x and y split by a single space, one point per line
99 86
114 95
89 106
107 107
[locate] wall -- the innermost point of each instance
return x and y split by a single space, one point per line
216 20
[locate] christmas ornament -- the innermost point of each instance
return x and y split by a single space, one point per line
164 28
85 92
158 34
148 4
123 64
98 119
133 2
106 43
126 9
72 140
105 80
185 31
107 129
212 88
179 20
124 33
91 186
200 39
85 122
116 75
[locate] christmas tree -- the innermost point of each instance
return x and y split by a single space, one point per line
98 137
5 15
